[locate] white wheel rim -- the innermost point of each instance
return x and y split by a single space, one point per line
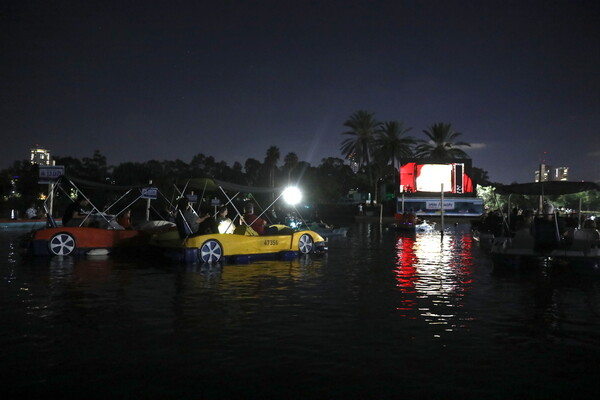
62 244
211 252
305 244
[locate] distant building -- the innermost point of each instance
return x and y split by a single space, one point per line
561 174
548 173
40 156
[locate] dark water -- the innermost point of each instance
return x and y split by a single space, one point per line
381 316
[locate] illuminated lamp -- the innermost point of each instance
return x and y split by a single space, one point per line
292 195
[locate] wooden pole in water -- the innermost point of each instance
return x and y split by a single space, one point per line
402 202
442 206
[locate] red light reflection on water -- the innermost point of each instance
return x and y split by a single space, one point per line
463 260
406 272
406 260
433 273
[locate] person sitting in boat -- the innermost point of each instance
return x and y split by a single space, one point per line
411 218
32 212
523 239
256 223
191 218
548 230
292 220
523 219
571 223
224 223
272 216
124 219
207 224
408 219
589 232
75 215
492 223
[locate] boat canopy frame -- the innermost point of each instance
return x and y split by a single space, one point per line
78 184
215 185
547 188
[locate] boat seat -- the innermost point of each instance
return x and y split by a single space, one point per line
245 230
183 227
278 229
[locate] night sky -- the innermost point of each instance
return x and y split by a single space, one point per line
142 80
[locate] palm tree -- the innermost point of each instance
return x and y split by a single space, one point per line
290 162
271 163
252 167
441 143
393 144
362 126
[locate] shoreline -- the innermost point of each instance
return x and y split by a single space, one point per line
436 219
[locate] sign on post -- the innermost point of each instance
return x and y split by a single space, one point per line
50 173
149 193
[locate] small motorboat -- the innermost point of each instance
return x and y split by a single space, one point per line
410 223
425 226
544 240
517 252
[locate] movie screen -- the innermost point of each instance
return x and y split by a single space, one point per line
418 177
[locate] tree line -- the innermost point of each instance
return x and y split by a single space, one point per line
325 183
372 151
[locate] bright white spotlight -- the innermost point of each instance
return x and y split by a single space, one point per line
292 195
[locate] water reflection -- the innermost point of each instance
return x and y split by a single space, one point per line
84 273
82 325
433 273
298 269
88 270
